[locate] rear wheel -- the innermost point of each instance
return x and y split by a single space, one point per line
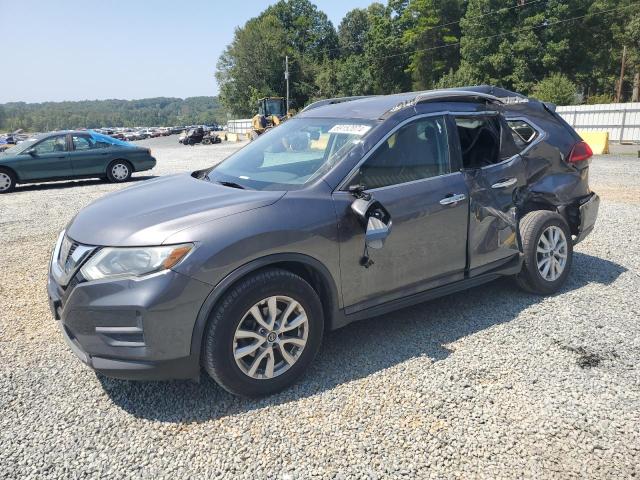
548 252
119 171
7 180
263 334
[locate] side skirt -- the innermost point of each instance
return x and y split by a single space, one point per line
511 268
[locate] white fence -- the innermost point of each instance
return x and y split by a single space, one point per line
621 120
239 126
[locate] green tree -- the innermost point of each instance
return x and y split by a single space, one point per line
431 30
384 50
254 59
353 31
556 88
308 30
110 113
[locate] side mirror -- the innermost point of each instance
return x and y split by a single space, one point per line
375 218
31 152
377 232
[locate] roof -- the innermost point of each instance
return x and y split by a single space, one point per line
375 107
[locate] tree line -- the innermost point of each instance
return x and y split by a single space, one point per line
564 51
148 112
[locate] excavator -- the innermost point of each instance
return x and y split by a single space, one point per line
272 111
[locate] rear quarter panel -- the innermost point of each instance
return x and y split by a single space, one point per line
549 178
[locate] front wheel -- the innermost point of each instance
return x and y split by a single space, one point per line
263 334
119 171
548 252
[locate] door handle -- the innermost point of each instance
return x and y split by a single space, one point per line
452 199
509 182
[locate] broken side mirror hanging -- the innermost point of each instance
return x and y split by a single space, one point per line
374 218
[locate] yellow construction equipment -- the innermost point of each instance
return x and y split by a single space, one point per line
272 111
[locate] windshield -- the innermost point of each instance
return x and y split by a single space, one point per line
292 154
21 147
275 107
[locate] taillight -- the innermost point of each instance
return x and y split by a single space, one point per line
581 151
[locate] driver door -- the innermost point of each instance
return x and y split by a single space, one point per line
47 159
410 174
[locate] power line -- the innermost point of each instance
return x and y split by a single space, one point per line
543 25
492 12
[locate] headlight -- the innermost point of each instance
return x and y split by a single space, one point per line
133 261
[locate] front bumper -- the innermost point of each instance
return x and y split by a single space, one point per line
588 208
132 328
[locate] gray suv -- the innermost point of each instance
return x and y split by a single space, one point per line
353 208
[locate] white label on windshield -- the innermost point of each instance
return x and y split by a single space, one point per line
351 129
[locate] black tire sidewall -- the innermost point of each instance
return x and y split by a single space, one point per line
218 357
534 278
110 176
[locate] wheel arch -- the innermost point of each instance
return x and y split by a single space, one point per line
570 213
307 267
12 170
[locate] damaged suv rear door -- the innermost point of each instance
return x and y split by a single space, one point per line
493 171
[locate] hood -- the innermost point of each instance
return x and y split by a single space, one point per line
148 213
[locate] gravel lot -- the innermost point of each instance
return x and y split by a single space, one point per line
489 383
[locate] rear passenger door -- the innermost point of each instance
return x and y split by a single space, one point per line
493 172
87 156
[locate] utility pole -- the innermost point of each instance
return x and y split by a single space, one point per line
286 77
624 58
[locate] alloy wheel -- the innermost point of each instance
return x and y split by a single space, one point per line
270 337
551 253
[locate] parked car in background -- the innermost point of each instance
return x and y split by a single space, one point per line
71 154
351 209
199 135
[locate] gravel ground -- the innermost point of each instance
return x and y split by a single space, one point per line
489 383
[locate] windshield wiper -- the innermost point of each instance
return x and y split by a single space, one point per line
232 185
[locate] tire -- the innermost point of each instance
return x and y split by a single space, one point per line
233 313
119 171
7 180
538 275
206 141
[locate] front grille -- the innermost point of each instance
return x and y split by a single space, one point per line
69 257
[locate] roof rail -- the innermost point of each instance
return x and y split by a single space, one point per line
331 101
456 94
439 95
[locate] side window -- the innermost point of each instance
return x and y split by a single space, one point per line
51 145
523 134
82 142
479 140
416 151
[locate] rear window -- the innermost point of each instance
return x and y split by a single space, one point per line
523 133
103 141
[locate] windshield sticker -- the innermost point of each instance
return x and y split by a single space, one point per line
351 129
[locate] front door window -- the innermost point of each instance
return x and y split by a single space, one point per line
51 145
416 151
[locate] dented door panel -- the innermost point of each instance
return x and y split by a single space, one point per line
492 216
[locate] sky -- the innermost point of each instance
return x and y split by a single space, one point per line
126 49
